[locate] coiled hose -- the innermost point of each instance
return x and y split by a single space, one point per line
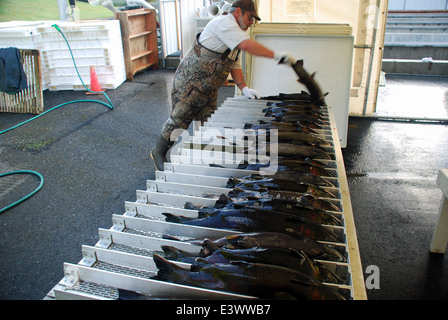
108 105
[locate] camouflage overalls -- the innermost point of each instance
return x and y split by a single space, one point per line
195 86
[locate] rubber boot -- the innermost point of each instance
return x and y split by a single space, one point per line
158 153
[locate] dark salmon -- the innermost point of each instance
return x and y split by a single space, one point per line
285 240
278 184
281 205
288 258
310 83
250 219
252 279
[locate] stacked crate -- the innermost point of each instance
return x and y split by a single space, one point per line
93 43
23 35
123 256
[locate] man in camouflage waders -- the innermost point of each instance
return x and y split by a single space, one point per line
205 68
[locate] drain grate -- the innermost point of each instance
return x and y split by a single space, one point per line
124 270
96 289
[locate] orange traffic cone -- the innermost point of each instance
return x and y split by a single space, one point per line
94 83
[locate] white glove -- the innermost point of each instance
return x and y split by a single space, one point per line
284 57
250 93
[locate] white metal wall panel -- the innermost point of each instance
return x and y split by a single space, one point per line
329 56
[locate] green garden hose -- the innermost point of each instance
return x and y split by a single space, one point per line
109 105
29 195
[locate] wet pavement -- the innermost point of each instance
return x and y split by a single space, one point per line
413 97
94 159
392 168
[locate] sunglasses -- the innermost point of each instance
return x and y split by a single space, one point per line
251 18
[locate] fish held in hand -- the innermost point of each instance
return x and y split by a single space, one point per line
310 83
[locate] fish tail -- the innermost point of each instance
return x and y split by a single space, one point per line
223 201
334 254
166 268
208 246
169 217
232 182
191 206
130 295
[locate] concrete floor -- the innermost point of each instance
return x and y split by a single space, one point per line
94 159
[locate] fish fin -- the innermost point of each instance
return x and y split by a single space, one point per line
284 296
165 267
243 244
172 252
305 200
293 233
208 247
191 206
235 192
169 217
240 263
297 219
130 295
169 237
331 253
299 254
232 182
223 201
197 265
212 165
205 212
304 280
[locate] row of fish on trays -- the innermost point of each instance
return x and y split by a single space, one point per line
290 241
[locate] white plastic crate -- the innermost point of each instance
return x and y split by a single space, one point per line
96 43
23 35
20 34
57 63
108 77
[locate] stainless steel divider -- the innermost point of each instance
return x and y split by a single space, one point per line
122 258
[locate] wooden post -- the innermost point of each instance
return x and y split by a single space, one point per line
440 236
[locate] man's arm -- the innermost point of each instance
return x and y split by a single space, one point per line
255 48
238 78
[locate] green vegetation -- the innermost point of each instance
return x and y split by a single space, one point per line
34 10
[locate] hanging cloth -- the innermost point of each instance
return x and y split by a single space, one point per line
12 75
